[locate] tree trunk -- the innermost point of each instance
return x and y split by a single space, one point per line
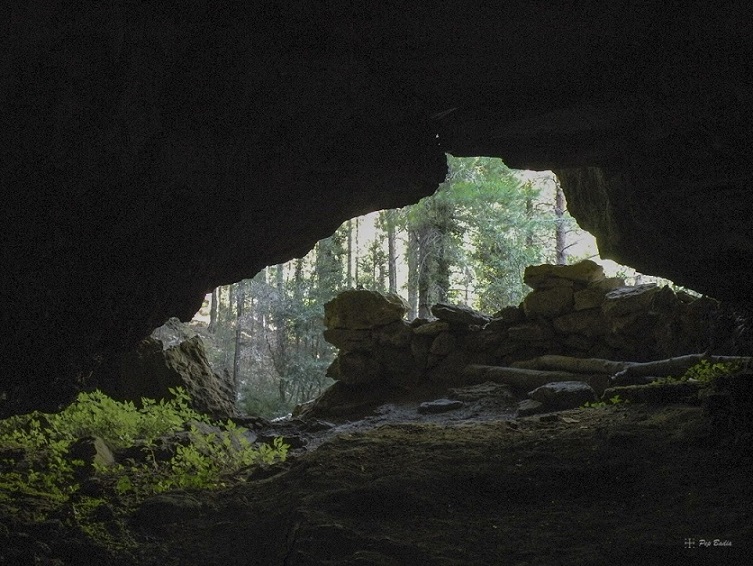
240 298
412 260
424 274
560 232
349 275
525 380
280 357
577 365
391 251
212 328
355 255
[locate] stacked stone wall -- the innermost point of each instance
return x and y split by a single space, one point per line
572 310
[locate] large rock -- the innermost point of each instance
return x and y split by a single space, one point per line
548 303
358 309
459 314
151 370
584 272
562 395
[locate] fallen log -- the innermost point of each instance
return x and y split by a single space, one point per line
675 367
525 380
576 365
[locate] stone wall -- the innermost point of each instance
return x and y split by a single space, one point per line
572 310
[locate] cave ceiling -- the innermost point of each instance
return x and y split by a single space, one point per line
152 151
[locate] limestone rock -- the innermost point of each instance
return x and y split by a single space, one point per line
355 367
548 302
349 340
484 390
440 406
443 344
432 328
509 315
530 331
459 314
356 309
563 395
627 300
93 451
529 407
585 323
584 272
151 370
396 334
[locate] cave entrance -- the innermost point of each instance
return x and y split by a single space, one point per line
468 244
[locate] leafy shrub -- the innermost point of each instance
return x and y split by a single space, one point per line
703 372
34 448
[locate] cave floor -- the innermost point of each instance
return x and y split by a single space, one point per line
625 484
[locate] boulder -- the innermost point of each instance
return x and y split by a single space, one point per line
548 302
93 452
440 406
530 331
529 407
584 272
348 340
628 300
459 314
432 328
585 323
562 395
485 390
152 369
443 344
355 367
508 315
358 309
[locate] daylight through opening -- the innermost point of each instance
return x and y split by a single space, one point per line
468 244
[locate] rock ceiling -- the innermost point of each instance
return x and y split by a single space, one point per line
151 151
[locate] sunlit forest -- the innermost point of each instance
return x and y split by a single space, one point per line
466 244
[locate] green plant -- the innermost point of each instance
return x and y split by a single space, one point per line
706 372
35 461
614 400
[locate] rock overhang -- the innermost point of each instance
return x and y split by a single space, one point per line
152 153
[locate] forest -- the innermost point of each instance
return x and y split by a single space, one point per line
466 244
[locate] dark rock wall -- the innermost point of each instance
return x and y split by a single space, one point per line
151 151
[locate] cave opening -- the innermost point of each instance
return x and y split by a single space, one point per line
467 244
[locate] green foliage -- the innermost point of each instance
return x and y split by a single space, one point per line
614 400
706 372
34 448
703 372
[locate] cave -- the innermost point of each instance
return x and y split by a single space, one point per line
140 140
153 151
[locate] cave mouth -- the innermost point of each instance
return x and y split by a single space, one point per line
466 244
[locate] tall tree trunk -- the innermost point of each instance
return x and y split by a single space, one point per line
355 254
212 328
240 300
349 274
560 232
281 355
412 260
391 251
424 273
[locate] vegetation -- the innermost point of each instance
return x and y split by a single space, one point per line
614 400
468 243
703 372
37 456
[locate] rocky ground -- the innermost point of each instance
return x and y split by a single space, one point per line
389 484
